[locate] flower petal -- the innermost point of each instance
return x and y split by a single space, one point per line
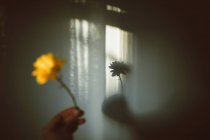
47 66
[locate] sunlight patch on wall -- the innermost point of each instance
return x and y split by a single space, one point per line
79 54
114 9
118 48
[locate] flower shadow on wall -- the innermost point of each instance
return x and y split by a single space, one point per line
154 126
119 68
116 105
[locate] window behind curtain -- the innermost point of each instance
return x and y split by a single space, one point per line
118 48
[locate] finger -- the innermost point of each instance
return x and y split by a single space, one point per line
79 109
81 112
76 111
60 117
72 128
75 124
81 121
71 119
66 111
55 122
72 111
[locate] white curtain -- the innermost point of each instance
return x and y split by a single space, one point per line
88 81
87 78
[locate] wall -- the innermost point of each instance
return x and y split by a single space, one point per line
168 100
170 95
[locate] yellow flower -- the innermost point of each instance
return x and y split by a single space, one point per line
47 67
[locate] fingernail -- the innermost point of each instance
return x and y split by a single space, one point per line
75 112
82 121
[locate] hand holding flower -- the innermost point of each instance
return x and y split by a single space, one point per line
63 125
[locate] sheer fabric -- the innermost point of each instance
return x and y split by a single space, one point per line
87 78
88 81
118 48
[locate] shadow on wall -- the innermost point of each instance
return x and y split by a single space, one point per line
193 125
188 22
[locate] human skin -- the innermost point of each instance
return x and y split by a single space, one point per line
63 125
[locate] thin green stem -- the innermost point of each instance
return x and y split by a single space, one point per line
68 90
